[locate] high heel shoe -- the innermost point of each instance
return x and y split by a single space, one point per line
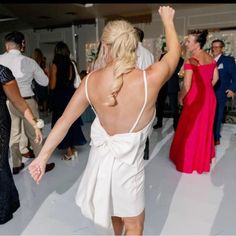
75 153
68 158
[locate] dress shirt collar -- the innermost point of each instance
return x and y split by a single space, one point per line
217 57
14 51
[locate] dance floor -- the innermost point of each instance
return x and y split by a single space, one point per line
176 203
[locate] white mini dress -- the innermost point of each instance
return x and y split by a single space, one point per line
113 180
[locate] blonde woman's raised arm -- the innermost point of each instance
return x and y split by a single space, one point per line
167 65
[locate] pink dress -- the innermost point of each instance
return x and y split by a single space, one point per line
193 147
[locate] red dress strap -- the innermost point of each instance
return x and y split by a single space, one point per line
190 63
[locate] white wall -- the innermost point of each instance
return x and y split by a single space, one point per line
86 34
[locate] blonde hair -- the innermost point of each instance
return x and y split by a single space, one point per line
121 38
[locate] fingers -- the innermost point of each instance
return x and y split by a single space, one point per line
36 140
166 12
35 172
39 138
229 93
163 9
39 178
35 176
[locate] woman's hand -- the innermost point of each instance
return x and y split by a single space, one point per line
38 135
37 169
167 14
180 98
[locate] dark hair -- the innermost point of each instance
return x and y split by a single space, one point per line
140 34
82 74
63 62
98 50
61 48
15 37
218 41
38 56
201 36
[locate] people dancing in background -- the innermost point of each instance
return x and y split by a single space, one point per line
61 83
193 147
41 92
9 197
24 144
226 86
123 97
144 57
24 70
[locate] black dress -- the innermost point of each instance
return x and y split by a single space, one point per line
61 96
9 198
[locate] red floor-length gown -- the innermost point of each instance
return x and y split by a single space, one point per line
193 147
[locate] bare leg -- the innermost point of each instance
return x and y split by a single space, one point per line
134 225
117 225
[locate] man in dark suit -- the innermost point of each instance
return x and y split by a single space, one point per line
170 89
226 86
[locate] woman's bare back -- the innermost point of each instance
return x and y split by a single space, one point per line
130 100
202 59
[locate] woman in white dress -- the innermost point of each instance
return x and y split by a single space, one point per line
123 98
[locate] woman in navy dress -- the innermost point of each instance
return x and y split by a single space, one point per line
61 83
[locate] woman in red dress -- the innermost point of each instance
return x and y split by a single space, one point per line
193 144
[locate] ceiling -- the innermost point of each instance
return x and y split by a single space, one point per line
37 16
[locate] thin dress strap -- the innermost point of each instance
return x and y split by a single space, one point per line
86 91
144 104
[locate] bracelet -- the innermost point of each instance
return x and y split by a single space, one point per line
39 123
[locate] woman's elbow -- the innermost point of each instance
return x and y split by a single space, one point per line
66 119
215 81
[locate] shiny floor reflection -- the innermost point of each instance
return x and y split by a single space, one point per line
176 203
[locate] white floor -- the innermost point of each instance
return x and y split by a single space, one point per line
176 203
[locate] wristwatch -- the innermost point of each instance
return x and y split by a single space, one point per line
39 123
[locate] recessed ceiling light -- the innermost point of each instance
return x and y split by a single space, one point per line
88 5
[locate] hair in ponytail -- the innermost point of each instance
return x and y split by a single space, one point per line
122 40
201 36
